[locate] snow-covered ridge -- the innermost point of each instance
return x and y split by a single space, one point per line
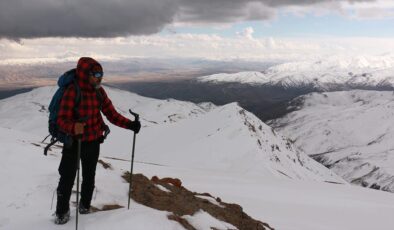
350 132
186 133
237 141
322 73
34 106
211 149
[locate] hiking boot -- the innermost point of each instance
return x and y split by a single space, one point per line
62 218
82 209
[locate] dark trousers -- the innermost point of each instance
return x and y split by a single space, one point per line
68 168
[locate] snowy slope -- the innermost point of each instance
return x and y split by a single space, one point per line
350 132
29 179
187 134
323 74
230 139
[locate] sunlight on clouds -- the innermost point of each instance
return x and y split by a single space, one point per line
246 33
205 46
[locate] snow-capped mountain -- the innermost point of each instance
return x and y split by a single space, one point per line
223 150
323 74
351 132
230 137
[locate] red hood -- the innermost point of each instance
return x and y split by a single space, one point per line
84 67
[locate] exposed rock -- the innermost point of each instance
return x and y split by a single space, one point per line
167 180
181 221
181 201
105 164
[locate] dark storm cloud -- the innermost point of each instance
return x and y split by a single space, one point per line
110 18
83 18
218 11
221 11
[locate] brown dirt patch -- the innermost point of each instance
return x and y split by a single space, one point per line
105 164
181 201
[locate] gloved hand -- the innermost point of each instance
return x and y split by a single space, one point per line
134 125
79 128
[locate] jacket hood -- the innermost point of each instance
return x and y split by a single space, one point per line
85 66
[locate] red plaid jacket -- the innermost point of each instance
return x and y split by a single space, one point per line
89 106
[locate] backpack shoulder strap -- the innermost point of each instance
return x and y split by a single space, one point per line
100 97
53 141
78 97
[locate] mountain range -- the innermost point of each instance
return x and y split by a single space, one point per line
350 132
223 150
328 74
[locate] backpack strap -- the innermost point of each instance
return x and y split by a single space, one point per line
45 138
100 98
78 98
53 141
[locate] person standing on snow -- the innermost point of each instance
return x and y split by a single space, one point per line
94 100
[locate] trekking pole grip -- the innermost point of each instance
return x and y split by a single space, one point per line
136 116
82 119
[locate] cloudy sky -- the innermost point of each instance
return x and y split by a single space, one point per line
213 29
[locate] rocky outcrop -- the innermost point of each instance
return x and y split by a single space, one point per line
168 194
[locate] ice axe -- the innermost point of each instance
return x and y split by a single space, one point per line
136 118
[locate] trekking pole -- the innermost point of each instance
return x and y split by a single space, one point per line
136 118
78 164
79 138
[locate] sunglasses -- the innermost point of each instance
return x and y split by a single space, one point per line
97 74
